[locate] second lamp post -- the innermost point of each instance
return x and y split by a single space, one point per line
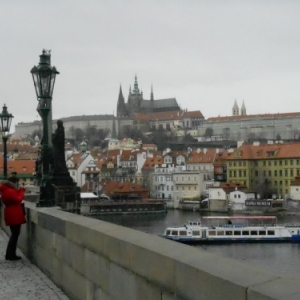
5 119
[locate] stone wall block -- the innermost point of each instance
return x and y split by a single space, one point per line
198 274
85 236
122 283
75 285
97 269
44 260
45 239
280 288
73 255
99 294
146 290
52 223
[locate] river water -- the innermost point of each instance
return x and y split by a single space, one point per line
279 258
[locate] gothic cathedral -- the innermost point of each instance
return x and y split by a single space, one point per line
137 104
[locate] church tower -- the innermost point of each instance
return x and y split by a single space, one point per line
152 98
235 109
135 98
121 108
243 109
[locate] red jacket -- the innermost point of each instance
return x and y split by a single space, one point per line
12 198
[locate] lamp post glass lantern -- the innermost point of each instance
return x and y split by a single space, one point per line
43 77
5 120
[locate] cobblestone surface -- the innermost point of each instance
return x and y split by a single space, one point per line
22 280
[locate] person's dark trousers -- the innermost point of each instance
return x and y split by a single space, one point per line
13 240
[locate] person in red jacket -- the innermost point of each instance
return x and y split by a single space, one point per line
12 197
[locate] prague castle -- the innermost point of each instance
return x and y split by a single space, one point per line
166 114
137 104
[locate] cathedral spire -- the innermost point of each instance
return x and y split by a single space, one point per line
136 86
151 95
243 109
235 109
121 108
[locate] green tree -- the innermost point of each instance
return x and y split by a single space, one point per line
209 132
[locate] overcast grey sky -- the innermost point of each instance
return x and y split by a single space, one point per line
204 53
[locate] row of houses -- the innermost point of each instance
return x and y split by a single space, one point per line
265 169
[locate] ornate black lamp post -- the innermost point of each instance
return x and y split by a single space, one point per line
44 78
5 119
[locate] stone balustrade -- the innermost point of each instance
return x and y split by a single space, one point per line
92 259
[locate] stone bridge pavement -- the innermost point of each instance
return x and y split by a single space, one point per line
21 280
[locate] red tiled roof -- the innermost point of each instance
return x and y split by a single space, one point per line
192 114
243 117
165 115
207 156
267 151
115 187
151 162
19 166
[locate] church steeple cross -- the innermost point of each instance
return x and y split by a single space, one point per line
136 87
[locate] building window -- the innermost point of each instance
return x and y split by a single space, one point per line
256 173
291 162
292 172
264 163
280 172
275 173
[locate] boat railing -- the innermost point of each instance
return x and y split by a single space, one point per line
259 225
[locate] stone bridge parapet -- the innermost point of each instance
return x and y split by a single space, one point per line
92 259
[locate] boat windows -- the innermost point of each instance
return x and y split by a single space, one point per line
245 232
236 232
182 232
168 232
196 232
212 232
253 232
174 232
262 232
227 232
271 232
220 232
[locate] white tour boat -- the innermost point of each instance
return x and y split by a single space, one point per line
234 229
